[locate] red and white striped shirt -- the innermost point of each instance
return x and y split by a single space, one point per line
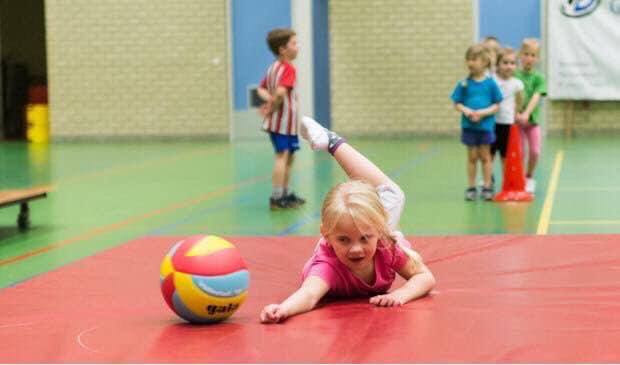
285 120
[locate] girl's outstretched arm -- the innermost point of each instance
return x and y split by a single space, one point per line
420 281
302 300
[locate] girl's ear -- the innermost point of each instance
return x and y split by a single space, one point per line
324 234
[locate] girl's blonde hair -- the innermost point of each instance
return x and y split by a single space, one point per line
530 44
361 201
503 52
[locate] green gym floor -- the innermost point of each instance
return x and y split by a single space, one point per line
106 194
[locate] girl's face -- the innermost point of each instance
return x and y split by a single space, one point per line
529 58
507 66
476 66
355 246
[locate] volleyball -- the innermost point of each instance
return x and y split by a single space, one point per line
204 279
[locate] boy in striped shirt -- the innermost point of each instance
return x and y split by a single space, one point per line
280 111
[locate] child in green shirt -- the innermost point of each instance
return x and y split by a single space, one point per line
529 117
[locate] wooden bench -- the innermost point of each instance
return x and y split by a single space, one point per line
22 197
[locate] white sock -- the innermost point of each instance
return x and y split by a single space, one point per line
277 192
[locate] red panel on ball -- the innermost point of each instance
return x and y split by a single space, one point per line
167 289
218 263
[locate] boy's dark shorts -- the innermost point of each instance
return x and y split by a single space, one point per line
284 142
471 137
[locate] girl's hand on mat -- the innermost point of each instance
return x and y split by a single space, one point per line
386 300
273 313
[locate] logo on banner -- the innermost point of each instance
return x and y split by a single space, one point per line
578 8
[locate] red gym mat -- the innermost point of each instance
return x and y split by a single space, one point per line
498 299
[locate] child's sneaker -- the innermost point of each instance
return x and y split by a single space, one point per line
471 194
320 138
481 182
294 200
530 185
314 133
279 203
487 194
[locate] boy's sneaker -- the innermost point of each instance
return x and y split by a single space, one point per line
530 185
487 194
314 133
471 194
294 200
279 203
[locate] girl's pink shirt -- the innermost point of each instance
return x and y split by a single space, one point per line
342 283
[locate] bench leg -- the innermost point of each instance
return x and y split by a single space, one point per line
23 219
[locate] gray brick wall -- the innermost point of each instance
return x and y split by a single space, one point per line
394 64
161 68
138 68
583 117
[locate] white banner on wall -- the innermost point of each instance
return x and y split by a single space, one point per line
584 49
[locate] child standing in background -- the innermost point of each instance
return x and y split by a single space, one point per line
478 98
491 44
529 118
512 91
280 111
360 251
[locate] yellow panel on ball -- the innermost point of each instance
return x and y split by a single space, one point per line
166 267
208 245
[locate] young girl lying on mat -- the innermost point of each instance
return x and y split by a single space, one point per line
360 251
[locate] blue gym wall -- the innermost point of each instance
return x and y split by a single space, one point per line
509 21
251 21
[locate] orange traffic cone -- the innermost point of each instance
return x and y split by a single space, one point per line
513 186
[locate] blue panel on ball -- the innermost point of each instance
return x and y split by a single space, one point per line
186 313
229 285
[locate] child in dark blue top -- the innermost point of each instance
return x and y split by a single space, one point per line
478 98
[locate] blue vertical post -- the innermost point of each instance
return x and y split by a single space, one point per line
322 96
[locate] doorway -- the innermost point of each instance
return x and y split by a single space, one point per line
24 63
